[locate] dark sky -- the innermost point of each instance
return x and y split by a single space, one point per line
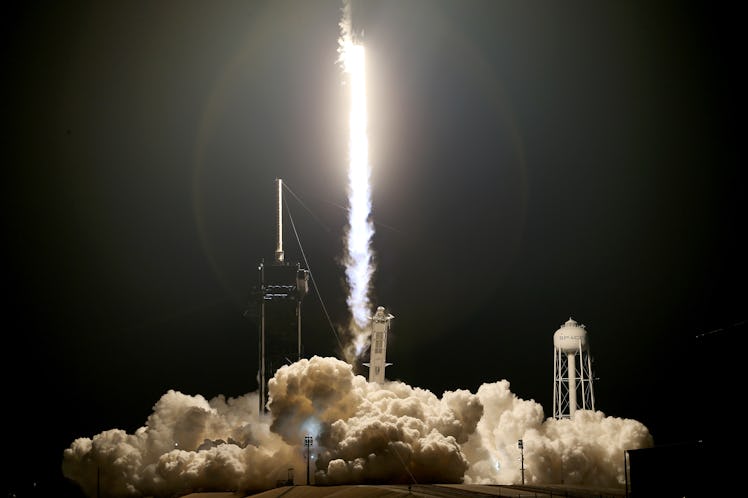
531 161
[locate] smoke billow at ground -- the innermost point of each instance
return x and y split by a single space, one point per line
362 433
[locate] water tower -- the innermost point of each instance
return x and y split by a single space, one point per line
572 371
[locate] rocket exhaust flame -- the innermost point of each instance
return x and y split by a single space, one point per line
358 258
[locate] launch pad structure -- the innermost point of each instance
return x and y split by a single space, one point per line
276 302
281 288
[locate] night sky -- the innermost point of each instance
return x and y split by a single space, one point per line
531 161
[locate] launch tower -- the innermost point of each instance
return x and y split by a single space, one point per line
281 288
572 371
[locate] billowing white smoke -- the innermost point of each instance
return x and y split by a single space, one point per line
360 230
188 443
362 433
370 433
586 450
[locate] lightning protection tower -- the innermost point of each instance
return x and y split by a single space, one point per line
281 288
572 371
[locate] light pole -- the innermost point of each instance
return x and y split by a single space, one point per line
308 443
625 471
522 455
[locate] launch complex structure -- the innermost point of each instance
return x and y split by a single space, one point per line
281 287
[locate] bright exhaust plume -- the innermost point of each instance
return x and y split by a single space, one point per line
359 261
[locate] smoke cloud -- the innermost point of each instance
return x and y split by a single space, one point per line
363 433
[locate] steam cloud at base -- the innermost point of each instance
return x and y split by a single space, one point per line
363 433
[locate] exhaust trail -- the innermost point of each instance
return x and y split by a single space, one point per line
358 259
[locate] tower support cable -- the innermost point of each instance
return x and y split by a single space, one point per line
309 268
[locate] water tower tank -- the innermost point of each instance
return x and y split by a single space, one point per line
570 337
